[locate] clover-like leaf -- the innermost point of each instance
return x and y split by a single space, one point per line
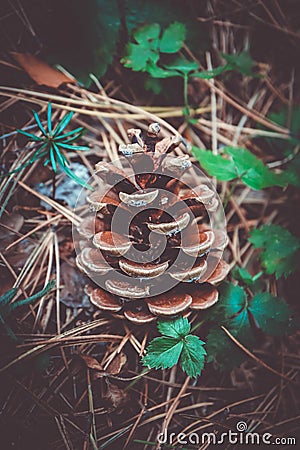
280 249
138 57
271 314
176 328
148 35
163 352
192 356
173 38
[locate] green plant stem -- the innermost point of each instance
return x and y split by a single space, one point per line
229 195
185 94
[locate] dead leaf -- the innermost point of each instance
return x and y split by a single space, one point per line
115 366
91 362
40 72
115 397
73 293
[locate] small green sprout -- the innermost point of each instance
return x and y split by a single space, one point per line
53 143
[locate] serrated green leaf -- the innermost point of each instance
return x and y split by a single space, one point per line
138 56
215 165
192 356
232 301
271 314
183 65
176 328
252 170
163 353
280 249
242 164
173 38
148 35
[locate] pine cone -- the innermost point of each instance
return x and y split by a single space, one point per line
150 246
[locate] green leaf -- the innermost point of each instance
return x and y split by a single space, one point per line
241 164
49 114
271 314
52 159
242 62
207 74
78 131
221 350
173 38
7 297
32 137
176 328
231 311
254 282
37 119
292 172
215 165
73 147
33 297
163 353
192 356
157 72
148 36
237 314
62 162
62 124
233 300
280 249
138 56
252 170
182 65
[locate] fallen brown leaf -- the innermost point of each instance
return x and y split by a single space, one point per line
116 364
115 397
91 362
40 71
